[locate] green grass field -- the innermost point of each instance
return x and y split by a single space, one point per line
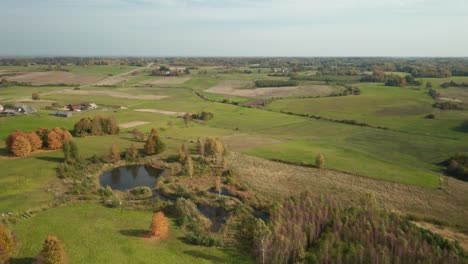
96 234
408 153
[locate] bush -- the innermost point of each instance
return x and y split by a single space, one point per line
154 145
201 240
141 192
430 116
457 166
105 192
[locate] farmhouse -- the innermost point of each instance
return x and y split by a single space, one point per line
82 106
24 109
74 107
88 106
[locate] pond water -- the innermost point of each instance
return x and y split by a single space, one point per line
128 177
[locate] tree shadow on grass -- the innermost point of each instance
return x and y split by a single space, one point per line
21 260
135 232
199 254
4 152
463 127
51 159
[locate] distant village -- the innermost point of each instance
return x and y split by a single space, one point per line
24 109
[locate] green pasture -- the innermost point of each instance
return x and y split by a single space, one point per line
97 234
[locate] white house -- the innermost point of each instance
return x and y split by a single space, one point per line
1 108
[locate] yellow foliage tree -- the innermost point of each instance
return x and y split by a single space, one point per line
160 226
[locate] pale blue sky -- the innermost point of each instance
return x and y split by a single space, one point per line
234 27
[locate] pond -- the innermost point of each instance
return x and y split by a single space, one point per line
128 177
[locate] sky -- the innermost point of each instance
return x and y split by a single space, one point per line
234 28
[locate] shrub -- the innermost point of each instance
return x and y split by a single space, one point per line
7 245
131 154
53 251
320 161
201 240
105 192
141 192
159 226
430 116
154 145
114 154
71 152
35 96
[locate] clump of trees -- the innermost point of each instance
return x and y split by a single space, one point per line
457 166
97 126
53 252
308 229
7 244
154 144
22 144
159 226
205 116
454 84
275 83
214 148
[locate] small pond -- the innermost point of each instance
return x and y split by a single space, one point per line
128 177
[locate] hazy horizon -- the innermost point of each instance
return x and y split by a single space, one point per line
227 28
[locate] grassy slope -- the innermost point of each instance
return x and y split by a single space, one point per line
388 155
96 234
392 107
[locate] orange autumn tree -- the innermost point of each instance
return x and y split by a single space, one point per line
159 226
11 138
57 137
21 144
34 140
53 252
21 147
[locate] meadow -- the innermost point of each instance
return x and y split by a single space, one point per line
398 147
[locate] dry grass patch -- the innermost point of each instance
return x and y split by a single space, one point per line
55 77
133 124
168 80
276 180
158 111
244 142
246 89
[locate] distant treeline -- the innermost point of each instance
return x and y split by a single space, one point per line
275 83
352 66
378 75
454 84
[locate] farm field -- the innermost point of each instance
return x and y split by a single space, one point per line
397 154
